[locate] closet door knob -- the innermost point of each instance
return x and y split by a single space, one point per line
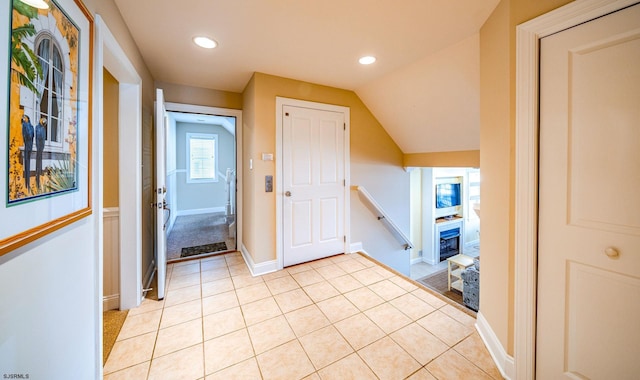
287 194
612 252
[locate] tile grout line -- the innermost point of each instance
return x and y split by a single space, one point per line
329 274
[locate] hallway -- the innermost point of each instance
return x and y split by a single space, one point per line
197 230
337 318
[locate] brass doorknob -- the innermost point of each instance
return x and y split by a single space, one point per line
287 194
612 252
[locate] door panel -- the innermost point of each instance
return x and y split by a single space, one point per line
586 338
605 100
302 230
301 157
313 175
328 215
160 190
329 154
589 297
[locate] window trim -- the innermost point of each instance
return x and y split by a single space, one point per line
201 136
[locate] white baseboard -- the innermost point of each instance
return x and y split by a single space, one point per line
416 260
356 247
110 212
198 211
425 260
470 244
504 362
260 268
111 302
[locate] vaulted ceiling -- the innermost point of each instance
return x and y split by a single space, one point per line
423 88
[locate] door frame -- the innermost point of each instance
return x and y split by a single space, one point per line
110 55
279 183
217 111
526 151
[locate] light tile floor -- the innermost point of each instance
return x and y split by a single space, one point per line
344 317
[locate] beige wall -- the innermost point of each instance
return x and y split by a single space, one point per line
376 161
175 93
460 159
249 226
497 159
110 140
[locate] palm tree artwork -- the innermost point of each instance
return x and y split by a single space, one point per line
22 56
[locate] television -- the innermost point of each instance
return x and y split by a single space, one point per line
447 195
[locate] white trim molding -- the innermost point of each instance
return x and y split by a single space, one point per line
111 302
216 111
504 362
110 55
260 268
528 37
198 211
356 247
416 260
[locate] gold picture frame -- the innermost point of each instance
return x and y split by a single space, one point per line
47 185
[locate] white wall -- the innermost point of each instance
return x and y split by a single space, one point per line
415 215
49 297
389 186
50 290
428 215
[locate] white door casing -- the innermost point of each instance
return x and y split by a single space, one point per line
589 211
161 190
110 55
526 175
225 112
313 184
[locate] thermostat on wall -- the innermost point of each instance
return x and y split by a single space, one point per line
267 156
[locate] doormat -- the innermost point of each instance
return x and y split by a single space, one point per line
200 249
438 282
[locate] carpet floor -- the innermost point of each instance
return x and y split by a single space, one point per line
112 321
198 230
438 282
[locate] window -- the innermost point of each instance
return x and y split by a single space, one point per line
202 157
51 89
473 192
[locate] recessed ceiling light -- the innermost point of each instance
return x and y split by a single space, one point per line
367 60
40 4
205 42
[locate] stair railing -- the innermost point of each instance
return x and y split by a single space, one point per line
383 217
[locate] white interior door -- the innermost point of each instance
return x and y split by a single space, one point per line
313 184
588 319
161 190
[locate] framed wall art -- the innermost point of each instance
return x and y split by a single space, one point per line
47 119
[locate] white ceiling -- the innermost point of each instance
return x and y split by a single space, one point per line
425 82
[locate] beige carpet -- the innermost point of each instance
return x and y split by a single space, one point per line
438 282
112 321
197 230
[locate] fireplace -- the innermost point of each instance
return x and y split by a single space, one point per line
447 239
449 243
